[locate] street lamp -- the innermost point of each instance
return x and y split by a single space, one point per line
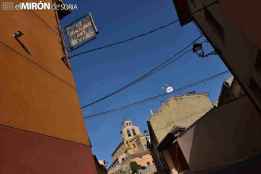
17 36
198 49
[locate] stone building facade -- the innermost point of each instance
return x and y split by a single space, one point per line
173 117
133 148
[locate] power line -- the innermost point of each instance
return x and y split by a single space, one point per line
156 96
126 40
153 70
140 35
172 59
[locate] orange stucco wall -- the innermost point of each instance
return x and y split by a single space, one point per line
26 152
37 91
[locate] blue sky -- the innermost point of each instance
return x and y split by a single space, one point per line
98 73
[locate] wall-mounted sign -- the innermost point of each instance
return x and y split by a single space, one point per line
81 31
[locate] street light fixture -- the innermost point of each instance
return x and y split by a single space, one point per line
17 36
198 49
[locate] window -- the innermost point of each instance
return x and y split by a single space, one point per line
134 132
129 133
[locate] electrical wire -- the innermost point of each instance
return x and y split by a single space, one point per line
126 40
144 75
151 71
139 35
151 98
172 59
